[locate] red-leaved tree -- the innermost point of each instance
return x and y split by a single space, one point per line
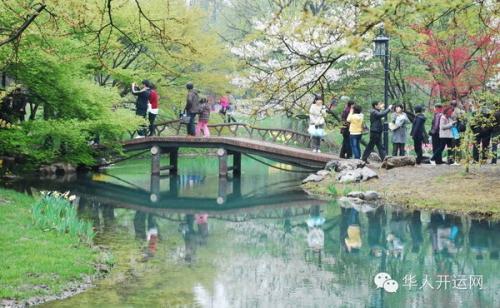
458 63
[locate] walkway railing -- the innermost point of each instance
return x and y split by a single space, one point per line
237 129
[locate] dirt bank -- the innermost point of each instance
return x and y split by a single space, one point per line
441 187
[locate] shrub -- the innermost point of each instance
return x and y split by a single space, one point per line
54 211
333 190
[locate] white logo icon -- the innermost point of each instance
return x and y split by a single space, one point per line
384 280
380 278
391 286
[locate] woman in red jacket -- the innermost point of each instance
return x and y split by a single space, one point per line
153 108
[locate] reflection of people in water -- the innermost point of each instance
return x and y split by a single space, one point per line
287 223
396 236
140 225
190 180
152 237
445 234
189 236
315 234
147 232
416 232
478 238
350 230
494 241
376 219
202 222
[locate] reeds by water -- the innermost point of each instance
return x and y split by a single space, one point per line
55 211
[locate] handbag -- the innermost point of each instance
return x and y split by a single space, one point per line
315 131
454 132
184 118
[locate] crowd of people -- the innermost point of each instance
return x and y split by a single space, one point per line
448 124
196 112
201 107
447 128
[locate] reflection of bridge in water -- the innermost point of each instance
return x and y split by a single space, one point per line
229 203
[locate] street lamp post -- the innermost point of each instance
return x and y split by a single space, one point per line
382 50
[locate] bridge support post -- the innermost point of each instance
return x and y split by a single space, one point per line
155 160
222 153
237 164
221 196
173 187
237 187
154 188
174 154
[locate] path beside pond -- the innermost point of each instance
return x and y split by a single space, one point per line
440 187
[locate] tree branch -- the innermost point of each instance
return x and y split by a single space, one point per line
16 34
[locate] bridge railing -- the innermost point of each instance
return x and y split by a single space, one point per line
238 129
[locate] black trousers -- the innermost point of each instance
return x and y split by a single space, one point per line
398 148
494 148
315 142
483 141
417 143
444 143
141 131
435 143
151 118
190 126
375 140
345 150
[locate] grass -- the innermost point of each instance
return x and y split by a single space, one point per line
433 188
53 212
37 262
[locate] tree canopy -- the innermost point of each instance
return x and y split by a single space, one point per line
71 62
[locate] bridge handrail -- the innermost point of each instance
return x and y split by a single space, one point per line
287 135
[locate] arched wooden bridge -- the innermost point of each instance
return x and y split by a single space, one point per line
232 139
238 129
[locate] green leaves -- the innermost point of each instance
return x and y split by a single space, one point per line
54 212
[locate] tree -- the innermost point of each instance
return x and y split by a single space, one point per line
458 62
74 62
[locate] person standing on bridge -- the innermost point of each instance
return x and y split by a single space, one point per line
152 108
192 108
203 118
224 104
317 114
141 105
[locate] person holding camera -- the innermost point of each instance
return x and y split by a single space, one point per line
376 128
141 105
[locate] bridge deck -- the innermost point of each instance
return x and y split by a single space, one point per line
277 152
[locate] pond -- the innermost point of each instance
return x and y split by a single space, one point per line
260 241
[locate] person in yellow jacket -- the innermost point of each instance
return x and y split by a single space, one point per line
355 119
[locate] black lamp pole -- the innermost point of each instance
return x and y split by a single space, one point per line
386 96
382 50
